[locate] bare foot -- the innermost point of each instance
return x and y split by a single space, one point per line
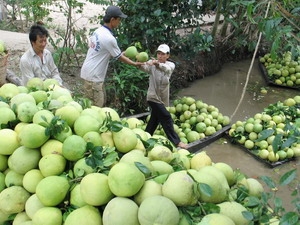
182 145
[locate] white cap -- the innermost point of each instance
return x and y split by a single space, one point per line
163 48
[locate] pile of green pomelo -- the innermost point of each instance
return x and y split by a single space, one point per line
65 162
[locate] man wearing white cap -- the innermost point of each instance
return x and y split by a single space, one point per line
160 71
103 47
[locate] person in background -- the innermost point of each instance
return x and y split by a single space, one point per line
160 71
103 47
37 61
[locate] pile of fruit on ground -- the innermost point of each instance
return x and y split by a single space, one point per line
272 135
65 162
282 71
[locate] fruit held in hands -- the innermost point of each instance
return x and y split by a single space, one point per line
131 52
142 57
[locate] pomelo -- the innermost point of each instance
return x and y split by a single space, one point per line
9 90
234 211
24 159
255 187
48 216
120 209
35 83
60 91
20 218
84 215
52 164
131 52
200 160
75 197
21 98
39 96
107 139
13 199
43 117
26 111
52 190
32 205
3 162
162 153
13 178
68 113
179 187
142 57
125 179
52 146
216 219
150 188
8 141
227 171
93 112
86 123
109 112
7 115
33 135
49 83
158 210
81 168
94 137
62 136
2 181
74 148
161 167
133 122
139 131
31 180
125 140
91 185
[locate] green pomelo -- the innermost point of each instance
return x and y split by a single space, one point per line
125 179
234 211
216 219
158 210
68 114
217 192
4 104
4 217
74 148
192 136
76 198
52 190
13 178
39 96
32 205
26 111
13 199
160 179
137 156
139 131
54 105
179 187
9 90
19 127
109 112
62 136
142 57
93 184
107 139
86 123
255 187
21 98
2 181
227 171
162 153
52 164
131 52
119 210
48 216
7 115
31 180
52 146
93 112
133 122
35 83
24 159
81 168
49 83
43 117
94 137
33 135
60 91
200 160
8 142
182 160
65 99
161 167
20 218
76 105
150 188
125 140
3 162
23 89
84 215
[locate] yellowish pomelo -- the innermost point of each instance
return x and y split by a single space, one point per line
143 134
162 153
35 83
32 205
179 187
68 113
125 179
48 216
8 141
234 211
84 124
19 127
33 136
9 90
52 190
255 187
107 139
227 171
150 188
52 146
75 197
20 98
7 115
2 181
84 215
74 147
109 112
39 96
13 178
24 159
76 105
26 111
158 210
216 219
140 146
94 137
81 168
31 180
120 209
125 140
91 185
60 91
52 164
49 82
133 122
43 117
20 218
182 160
13 199
200 160
62 136
161 167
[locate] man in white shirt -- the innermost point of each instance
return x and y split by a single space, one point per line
37 61
103 46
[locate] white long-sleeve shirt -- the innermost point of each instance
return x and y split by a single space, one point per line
31 66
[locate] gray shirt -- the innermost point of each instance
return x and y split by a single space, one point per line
159 81
31 66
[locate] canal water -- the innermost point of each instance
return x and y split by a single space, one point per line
225 91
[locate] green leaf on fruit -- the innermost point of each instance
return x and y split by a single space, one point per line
144 169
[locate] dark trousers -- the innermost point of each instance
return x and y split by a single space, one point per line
160 115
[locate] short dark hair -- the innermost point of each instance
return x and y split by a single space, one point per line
37 30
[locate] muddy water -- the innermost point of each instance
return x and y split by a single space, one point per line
224 90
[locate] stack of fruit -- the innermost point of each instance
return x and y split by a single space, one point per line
62 163
272 135
282 71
